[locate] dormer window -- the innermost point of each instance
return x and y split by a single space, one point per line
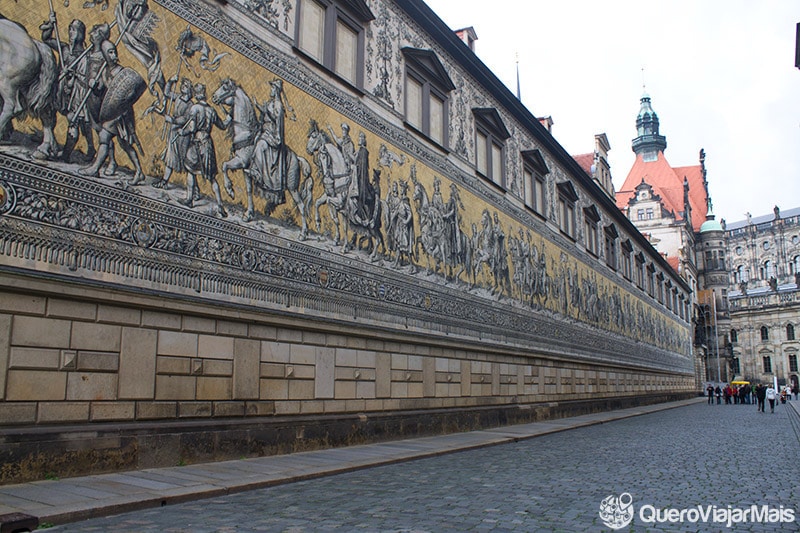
331 32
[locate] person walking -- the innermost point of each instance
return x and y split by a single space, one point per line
771 395
761 394
710 392
718 393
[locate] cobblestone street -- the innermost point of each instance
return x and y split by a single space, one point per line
699 455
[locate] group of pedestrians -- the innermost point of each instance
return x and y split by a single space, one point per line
745 394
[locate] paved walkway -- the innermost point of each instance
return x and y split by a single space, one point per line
73 499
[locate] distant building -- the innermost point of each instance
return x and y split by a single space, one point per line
764 297
671 206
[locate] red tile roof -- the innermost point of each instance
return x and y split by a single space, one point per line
667 182
585 161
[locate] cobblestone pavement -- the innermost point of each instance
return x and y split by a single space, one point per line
728 456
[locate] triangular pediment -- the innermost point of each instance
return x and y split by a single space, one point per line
490 119
429 65
358 8
592 213
536 160
568 190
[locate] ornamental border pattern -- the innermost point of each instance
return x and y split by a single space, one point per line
58 225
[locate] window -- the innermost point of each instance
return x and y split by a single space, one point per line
651 280
741 274
490 142
734 336
331 32
789 332
627 259
591 232
793 362
649 215
767 364
640 214
640 271
426 96
566 208
767 270
610 235
534 170
794 265
764 334
735 366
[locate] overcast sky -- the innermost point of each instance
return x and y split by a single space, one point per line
720 74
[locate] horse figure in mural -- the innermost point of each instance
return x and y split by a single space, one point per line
431 229
244 131
335 175
28 83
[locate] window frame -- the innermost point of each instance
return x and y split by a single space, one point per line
764 334
767 362
534 170
355 15
489 125
790 333
591 225
610 239
567 203
627 259
425 69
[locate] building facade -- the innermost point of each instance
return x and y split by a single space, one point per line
238 228
764 297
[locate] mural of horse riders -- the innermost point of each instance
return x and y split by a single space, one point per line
259 149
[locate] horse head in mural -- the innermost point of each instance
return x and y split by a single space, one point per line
28 83
251 146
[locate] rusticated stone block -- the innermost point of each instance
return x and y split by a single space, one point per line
199 324
91 386
173 365
59 308
159 320
287 408
234 329
194 409
36 385
246 361
213 388
156 410
111 314
137 363
215 347
44 332
95 337
175 387
63 412
346 357
259 408
292 336
18 413
303 355
229 409
105 411
260 331
177 343
98 361
275 352
301 389
274 389
383 375
26 304
34 358
324 372
215 367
